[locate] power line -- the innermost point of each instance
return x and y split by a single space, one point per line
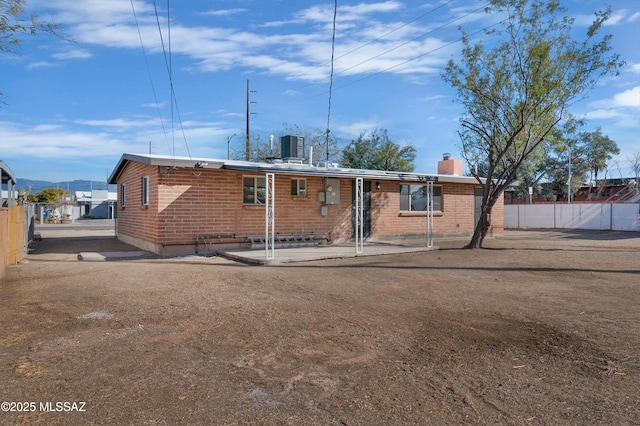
417 57
395 29
169 66
377 38
400 45
153 88
412 40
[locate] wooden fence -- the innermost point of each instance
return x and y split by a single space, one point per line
12 236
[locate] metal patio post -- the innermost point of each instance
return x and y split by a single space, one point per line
269 239
359 215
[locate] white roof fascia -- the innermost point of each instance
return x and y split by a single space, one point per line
162 160
284 168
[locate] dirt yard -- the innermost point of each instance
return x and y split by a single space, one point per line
540 328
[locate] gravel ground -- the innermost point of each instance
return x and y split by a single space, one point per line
540 328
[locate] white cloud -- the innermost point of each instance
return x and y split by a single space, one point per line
154 105
602 114
471 13
101 12
628 98
41 64
47 128
110 137
354 130
52 141
224 12
121 124
616 17
324 13
432 98
296 56
73 54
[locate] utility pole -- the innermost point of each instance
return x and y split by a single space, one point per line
229 146
569 180
247 141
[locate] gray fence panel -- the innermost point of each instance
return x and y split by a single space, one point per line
626 217
594 216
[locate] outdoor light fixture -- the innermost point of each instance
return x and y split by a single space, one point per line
200 165
378 186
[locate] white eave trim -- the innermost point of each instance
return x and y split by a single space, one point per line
283 168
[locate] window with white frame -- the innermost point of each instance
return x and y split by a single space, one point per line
299 187
254 190
123 192
414 198
145 190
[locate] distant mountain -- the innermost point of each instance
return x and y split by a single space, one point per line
71 186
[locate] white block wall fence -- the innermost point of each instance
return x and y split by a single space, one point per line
595 216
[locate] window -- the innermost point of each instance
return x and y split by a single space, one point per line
413 198
145 190
299 187
123 191
254 190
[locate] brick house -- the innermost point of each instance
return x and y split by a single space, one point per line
165 203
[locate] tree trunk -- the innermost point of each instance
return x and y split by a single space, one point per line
482 228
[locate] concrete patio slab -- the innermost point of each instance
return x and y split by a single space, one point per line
304 254
111 255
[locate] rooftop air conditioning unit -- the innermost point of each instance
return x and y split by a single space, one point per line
292 148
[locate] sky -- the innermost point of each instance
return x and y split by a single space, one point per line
73 106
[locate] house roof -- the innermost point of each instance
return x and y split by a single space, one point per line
280 168
96 195
6 175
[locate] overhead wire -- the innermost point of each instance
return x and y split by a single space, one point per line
395 29
397 47
375 39
170 69
168 59
416 57
153 88
412 40
169 66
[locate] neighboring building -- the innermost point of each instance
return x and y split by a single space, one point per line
8 192
610 190
614 190
165 203
97 203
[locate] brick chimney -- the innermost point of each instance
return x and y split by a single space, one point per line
447 166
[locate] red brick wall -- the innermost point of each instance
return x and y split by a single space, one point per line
456 219
138 224
185 203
